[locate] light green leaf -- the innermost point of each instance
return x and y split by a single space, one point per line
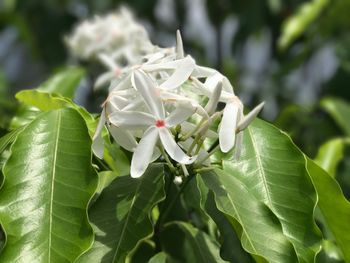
330 155
64 82
334 207
274 170
121 215
194 246
261 232
48 183
161 257
42 100
298 23
339 110
46 101
24 115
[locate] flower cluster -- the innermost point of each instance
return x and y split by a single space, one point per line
116 40
167 106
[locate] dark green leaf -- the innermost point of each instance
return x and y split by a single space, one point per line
121 215
195 246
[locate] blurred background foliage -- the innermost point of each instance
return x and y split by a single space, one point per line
295 55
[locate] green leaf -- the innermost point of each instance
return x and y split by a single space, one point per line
334 207
8 138
161 257
121 215
46 101
257 221
274 170
339 110
48 183
42 100
298 23
330 155
24 115
196 246
231 248
64 82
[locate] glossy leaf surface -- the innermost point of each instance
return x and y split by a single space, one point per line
121 215
334 207
48 183
274 170
257 221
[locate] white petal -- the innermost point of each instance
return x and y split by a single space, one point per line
131 119
143 152
122 83
123 138
181 113
107 61
249 117
146 87
179 46
201 88
103 79
213 80
97 144
134 105
226 85
227 129
214 99
180 75
174 151
154 57
203 72
115 103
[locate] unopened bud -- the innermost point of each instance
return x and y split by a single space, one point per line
214 99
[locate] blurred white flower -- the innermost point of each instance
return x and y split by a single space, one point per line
116 35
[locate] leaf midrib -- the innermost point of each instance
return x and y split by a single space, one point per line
261 168
127 221
54 162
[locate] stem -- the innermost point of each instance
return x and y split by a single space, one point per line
169 163
164 215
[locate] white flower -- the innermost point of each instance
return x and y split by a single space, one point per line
156 125
159 103
117 35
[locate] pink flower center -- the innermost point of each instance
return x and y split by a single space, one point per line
160 123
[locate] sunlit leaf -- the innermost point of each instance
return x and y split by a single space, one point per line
330 155
161 257
257 221
339 110
46 101
299 22
65 82
274 170
121 215
48 183
334 207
